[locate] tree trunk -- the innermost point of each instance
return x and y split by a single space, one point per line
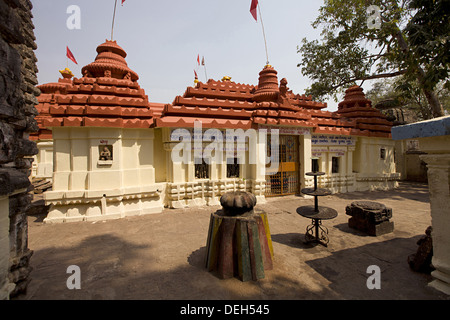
436 107
433 101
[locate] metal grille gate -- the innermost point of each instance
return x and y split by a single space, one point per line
286 180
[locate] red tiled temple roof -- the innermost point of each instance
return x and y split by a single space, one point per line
369 121
108 95
226 104
217 104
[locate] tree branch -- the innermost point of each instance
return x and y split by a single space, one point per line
371 77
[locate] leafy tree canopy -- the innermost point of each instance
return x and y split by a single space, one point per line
374 39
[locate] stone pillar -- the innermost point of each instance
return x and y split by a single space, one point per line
17 111
439 187
6 287
350 175
434 139
305 159
45 159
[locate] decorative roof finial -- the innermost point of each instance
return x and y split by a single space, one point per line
66 73
267 89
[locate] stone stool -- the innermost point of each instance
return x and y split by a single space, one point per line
239 242
370 217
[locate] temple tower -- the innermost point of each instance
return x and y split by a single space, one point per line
103 144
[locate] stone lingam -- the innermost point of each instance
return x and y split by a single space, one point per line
239 242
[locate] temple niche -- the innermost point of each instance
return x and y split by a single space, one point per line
113 150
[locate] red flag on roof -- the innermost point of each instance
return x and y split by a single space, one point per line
70 55
123 1
253 7
195 73
198 59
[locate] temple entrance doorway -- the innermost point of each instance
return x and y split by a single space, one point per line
286 180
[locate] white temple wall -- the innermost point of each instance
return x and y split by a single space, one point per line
374 168
184 189
89 187
143 176
42 167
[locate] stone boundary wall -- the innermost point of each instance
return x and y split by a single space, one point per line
17 112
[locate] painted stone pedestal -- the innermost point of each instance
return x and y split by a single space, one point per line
239 242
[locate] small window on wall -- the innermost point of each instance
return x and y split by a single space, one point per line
201 169
383 153
105 152
233 168
334 164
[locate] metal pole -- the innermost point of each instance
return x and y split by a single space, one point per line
264 33
316 200
114 17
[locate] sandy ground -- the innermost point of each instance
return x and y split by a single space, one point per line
161 256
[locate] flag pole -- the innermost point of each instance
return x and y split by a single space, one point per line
114 17
264 33
204 65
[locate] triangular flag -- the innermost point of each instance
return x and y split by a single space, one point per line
203 61
195 73
253 7
70 55
198 59
123 1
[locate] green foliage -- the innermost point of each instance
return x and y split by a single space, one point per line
411 40
429 34
405 93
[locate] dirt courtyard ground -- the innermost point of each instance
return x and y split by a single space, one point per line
161 256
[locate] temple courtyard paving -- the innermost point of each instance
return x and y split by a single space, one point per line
161 256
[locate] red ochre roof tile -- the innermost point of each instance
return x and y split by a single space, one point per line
207 111
57 110
79 99
374 127
206 123
52 122
62 99
103 111
75 110
73 122
45 98
137 123
103 122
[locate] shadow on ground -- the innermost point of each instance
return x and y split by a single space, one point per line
406 191
113 268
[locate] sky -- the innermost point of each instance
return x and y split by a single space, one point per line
163 39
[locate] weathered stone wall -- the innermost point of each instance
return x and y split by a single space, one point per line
17 111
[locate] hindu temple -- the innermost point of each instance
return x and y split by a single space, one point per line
108 149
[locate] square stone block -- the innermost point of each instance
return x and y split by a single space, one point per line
370 217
